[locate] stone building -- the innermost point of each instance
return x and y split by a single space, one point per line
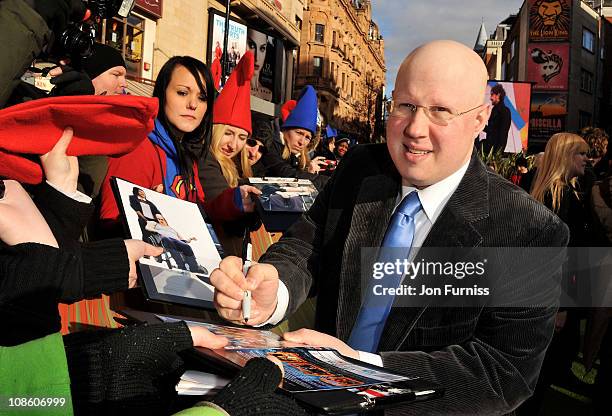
342 55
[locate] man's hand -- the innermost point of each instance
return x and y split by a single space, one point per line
245 193
60 169
319 339
202 337
230 285
136 249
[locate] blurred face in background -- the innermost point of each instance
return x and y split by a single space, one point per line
254 150
342 148
185 105
110 82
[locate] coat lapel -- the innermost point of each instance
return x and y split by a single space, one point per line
373 207
453 228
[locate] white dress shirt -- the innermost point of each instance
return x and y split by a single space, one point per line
433 200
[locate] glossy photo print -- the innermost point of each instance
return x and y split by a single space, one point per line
508 127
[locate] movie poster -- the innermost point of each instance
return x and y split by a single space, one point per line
549 20
508 127
548 66
262 46
236 41
548 115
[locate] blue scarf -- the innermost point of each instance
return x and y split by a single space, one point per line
160 137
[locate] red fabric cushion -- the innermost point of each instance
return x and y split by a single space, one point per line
103 125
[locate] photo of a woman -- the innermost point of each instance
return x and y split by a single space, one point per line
257 43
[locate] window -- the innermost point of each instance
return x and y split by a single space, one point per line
334 38
352 87
512 49
586 81
125 35
298 22
319 33
584 119
343 79
331 72
318 66
588 40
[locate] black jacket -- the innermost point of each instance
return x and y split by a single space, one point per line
498 127
487 358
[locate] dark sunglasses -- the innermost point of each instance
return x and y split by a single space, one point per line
2 189
253 143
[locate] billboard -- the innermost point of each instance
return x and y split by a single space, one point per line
236 41
548 115
508 127
549 20
264 52
548 66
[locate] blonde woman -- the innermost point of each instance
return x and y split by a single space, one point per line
287 156
218 172
556 186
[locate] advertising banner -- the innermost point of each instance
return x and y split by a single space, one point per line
236 42
263 48
549 20
508 126
548 115
548 65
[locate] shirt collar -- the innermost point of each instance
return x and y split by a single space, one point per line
434 197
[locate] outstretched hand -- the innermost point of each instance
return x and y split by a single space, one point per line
245 193
136 249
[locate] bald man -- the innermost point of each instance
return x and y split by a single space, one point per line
487 358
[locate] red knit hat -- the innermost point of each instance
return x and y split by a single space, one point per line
103 125
233 105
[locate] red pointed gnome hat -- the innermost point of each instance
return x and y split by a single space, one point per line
233 105
287 108
103 125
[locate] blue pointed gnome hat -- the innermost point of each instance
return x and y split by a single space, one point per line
330 132
304 115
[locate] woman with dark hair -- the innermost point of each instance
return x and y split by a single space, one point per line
167 162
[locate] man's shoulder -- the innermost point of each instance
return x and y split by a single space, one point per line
512 207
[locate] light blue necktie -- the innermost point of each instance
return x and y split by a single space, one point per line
375 309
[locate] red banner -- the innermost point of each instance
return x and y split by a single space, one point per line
548 66
153 7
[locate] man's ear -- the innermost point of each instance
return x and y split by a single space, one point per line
482 118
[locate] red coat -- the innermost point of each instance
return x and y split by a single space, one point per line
146 166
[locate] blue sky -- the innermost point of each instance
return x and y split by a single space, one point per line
406 24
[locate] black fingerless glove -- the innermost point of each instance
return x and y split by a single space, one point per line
251 393
130 370
71 82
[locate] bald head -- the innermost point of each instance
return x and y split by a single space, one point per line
438 109
446 62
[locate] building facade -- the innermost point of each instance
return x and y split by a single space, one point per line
156 30
557 45
342 55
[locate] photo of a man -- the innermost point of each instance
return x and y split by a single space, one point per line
499 123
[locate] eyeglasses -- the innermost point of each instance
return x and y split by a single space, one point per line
436 114
2 189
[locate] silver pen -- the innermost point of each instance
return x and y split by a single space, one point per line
246 300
